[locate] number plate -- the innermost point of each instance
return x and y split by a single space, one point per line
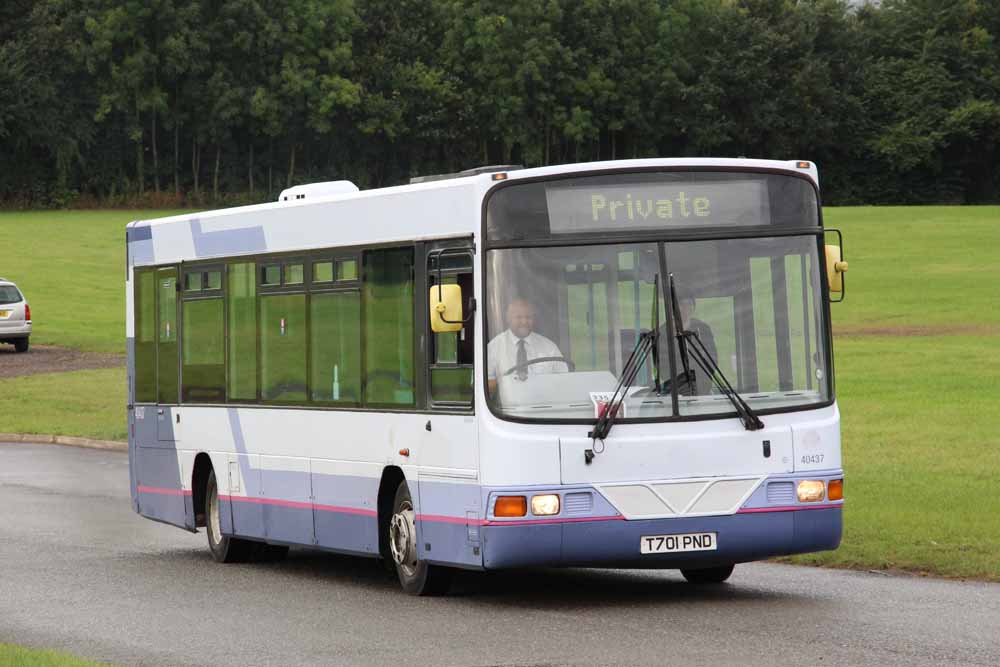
667 544
4 313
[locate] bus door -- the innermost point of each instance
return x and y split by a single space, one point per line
448 453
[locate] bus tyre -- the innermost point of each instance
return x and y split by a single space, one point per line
417 577
224 549
708 575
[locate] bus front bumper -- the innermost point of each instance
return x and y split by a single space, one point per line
740 537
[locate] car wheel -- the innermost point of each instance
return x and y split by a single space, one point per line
417 577
21 345
708 575
227 549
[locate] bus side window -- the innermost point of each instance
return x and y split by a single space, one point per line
145 336
451 354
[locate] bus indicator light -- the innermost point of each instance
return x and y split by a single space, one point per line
835 490
511 506
811 490
802 165
547 504
501 176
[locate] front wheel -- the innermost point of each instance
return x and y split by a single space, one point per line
417 577
708 575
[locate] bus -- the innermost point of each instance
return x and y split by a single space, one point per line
620 364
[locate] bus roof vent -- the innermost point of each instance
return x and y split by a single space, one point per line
475 171
314 190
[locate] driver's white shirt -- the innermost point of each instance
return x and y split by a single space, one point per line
501 354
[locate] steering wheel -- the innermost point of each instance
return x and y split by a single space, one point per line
540 360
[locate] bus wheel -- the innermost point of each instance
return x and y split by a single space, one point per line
708 575
417 577
224 549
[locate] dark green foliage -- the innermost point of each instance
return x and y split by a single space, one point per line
220 102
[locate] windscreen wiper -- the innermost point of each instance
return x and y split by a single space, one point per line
655 345
648 341
689 342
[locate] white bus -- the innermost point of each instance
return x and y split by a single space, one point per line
614 364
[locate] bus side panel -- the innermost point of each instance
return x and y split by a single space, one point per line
449 520
288 514
243 482
298 471
142 437
163 496
338 487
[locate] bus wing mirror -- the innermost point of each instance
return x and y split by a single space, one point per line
836 267
446 308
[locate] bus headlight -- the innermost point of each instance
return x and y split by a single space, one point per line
811 490
545 505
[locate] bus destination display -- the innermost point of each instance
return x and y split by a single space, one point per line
579 207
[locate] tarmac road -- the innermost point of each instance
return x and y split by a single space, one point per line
80 572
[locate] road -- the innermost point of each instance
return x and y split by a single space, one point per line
82 573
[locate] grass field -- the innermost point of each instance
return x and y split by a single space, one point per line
917 350
71 267
18 656
89 404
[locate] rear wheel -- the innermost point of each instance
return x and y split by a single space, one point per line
708 575
227 549
21 345
417 577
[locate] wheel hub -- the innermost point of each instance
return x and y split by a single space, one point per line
403 538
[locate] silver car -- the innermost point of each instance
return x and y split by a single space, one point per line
15 316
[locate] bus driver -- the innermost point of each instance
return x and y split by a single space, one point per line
686 303
518 345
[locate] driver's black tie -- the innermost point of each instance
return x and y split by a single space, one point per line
522 361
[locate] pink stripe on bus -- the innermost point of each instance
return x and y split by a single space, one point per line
792 508
533 522
346 510
435 518
298 504
440 518
164 492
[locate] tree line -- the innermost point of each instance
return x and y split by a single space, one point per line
199 102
